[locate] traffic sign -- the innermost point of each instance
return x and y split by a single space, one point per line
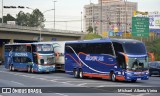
140 26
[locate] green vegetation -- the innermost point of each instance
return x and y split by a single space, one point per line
35 19
154 47
92 36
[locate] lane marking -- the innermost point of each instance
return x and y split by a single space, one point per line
82 84
16 82
61 94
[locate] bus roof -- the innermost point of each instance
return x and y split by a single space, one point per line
30 43
90 41
125 40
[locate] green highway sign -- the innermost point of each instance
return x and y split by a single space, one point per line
140 26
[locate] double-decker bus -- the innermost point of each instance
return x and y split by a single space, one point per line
31 57
115 59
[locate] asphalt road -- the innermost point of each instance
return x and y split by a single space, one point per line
68 85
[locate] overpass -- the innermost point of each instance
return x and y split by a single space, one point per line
19 34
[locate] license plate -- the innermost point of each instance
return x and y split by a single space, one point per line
138 78
47 70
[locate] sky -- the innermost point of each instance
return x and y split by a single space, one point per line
66 10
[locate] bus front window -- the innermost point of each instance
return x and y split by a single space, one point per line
138 58
135 48
44 48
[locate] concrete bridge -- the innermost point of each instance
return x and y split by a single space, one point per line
19 34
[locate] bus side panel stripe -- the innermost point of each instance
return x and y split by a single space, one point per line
121 78
97 75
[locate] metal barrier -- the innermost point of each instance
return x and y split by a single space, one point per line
10 26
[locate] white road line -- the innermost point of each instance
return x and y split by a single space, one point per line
83 81
82 84
100 86
16 82
61 94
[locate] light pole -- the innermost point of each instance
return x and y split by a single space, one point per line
54 13
126 17
2 11
101 19
41 25
81 22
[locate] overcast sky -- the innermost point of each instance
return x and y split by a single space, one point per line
67 10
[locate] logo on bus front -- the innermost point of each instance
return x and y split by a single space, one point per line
21 54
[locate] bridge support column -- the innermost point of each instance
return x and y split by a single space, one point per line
11 41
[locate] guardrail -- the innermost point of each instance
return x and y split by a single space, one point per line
10 26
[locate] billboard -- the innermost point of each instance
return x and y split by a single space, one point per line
154 20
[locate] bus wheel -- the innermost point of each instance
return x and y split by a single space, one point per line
75 72
10 67
113 77
28 69
32 70
13 69
81 74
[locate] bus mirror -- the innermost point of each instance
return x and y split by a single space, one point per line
42 61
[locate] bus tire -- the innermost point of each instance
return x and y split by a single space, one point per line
28 69
113 77
10 67
75 73
32 70
13 69
81 74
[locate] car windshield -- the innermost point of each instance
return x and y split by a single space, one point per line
44 48
135 48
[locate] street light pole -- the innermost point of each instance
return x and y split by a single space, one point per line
81 22
126 17
43 24
101 19
2 11
54 13
40 27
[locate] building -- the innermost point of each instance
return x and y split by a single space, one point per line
107 1
116 14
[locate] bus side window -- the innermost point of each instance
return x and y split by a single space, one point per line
8 48
28 48
33 48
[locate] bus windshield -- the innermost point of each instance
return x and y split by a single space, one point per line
44 48
135 48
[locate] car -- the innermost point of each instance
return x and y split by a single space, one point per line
1 61
154 68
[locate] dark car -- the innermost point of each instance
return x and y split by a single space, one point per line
154 68
1 60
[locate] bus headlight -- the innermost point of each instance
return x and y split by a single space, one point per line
39 66
129 74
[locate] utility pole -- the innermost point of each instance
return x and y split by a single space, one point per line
2 11
126 17
101 18
54 13
93 18
81 22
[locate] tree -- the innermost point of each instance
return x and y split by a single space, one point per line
8 17
36 18
92 36
21 19
90 29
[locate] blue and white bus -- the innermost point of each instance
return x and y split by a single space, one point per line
31 57
115 59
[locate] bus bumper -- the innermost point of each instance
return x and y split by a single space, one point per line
46 69
129 78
